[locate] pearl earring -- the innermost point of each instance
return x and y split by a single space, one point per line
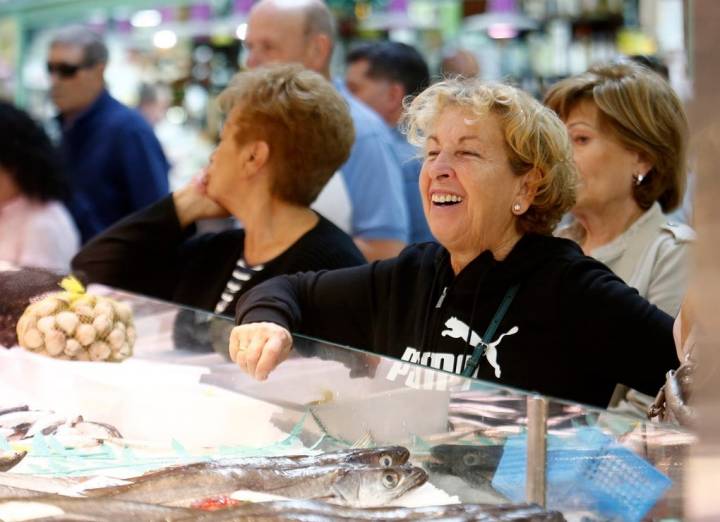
516 208
638 178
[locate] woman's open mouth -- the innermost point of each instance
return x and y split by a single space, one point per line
445 200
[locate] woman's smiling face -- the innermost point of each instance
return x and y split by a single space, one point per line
467 185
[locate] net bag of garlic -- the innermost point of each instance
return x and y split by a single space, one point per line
75 325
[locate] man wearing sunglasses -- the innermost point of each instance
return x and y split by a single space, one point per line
114 161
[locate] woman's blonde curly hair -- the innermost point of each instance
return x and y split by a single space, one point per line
535 138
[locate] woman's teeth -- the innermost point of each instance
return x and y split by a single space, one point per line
446 199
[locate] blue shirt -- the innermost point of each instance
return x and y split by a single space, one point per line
114 162
373 177
410 163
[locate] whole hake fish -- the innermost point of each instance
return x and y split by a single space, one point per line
321 511
37 484
13 492
357 486
57 507
374 457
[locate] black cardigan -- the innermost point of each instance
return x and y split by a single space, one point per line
149 253
580 329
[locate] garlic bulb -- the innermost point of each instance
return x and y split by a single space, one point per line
102 323
86 334
46 324
68 321
116 338
73 347
99 351
33 339
55 342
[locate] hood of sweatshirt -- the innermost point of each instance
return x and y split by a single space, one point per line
452 312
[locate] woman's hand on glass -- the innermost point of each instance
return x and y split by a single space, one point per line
258 348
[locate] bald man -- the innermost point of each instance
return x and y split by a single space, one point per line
367 198
460 62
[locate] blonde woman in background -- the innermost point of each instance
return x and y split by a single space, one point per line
629 136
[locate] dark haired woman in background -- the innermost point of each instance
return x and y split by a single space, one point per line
35 227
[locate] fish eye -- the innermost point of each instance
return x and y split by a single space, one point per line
385 461
390 480
471 459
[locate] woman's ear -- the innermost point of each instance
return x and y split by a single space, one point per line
530 183
258 155
643 164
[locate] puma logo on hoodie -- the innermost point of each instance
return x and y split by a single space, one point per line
459 330
449 362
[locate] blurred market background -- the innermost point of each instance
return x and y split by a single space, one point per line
178 54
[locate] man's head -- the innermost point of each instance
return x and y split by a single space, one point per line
381 74
459 62
290 31
153 102
76 64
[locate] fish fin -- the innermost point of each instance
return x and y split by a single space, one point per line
366 441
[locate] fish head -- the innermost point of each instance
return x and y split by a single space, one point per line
10 458
373 487
474 464
383 457
459 456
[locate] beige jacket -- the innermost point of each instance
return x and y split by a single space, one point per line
651 256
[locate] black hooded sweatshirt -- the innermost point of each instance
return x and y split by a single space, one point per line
574 329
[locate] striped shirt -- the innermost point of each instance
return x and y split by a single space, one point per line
240 275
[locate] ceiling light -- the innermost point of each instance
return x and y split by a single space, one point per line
146 18
165 39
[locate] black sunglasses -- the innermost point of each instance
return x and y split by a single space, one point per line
65 70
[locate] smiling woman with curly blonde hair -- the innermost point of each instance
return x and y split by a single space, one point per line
499 297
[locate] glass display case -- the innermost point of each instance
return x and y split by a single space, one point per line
178 399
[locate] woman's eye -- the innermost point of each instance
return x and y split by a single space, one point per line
469 153
432 153
581 140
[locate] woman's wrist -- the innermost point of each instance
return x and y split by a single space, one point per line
185 206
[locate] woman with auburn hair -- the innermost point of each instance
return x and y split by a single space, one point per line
266 171
629 136
499 298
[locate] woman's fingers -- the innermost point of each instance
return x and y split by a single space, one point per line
276 350
257 348
201 184
235 342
